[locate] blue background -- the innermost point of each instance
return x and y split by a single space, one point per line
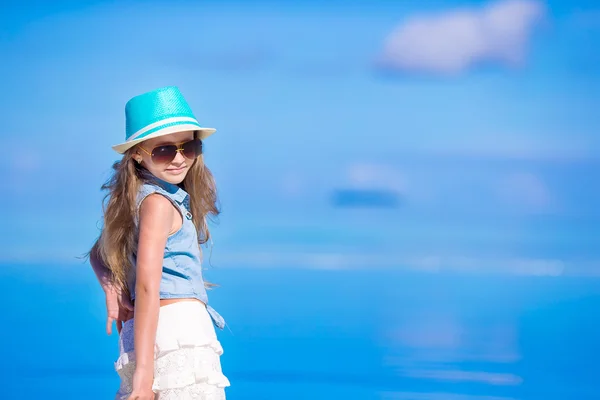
480 279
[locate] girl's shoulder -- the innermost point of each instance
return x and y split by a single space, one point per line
148 188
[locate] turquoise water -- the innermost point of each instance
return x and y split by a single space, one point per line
310 334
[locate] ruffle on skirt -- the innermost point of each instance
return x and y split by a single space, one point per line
186 358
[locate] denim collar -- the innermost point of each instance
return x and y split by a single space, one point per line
175 191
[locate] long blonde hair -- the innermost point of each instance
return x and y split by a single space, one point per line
118 240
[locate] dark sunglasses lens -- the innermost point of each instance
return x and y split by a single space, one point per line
192 149
164 154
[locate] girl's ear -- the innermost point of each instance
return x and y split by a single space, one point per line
138 158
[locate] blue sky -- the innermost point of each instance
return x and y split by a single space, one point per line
495 158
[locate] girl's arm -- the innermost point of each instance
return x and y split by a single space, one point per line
118 304
156 220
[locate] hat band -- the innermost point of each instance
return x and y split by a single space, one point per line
148 129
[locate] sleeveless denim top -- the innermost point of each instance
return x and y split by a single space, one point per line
182 265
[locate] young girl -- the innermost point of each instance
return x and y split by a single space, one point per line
148 257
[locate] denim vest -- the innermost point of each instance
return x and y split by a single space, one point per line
182 265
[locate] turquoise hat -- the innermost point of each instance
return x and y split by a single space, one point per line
157 113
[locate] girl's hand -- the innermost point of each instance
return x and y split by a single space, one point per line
118 308
142 385
118 305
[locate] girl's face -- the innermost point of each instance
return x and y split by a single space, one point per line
156 155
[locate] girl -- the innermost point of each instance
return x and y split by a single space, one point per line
148 255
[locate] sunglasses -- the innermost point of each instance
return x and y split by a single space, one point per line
166 153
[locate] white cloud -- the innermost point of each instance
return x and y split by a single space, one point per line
359 175
454 41
375 176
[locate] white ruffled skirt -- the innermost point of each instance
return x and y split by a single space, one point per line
187 354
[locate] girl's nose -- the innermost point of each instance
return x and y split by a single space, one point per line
179 158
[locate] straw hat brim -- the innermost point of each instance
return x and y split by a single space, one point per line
203 133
